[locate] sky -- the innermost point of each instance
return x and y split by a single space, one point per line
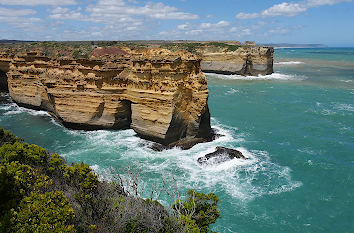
328 22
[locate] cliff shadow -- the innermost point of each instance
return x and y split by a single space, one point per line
3 82
123 116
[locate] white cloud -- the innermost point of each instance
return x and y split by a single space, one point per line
183 26
288 9
123 17
17 18
66 13
219 24
123 14
279 30
14 12
38 2
247 15
222 23
241 31
316 3
234 29
201 31
284 9
118 9
60 10
246 32
194 32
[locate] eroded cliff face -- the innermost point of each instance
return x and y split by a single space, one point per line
160 94
246 60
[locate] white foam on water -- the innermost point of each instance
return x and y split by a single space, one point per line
105 174
241 179
289 63
232 91
346 81
344 107
309 151
238 178
274 76
7 107
14 109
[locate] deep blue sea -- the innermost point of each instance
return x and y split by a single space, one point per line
296 126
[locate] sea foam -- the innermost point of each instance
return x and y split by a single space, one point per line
289 63
274 76
14 109
241 179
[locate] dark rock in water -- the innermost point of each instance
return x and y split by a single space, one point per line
220 155
186 143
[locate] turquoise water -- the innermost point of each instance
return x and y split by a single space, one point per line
296 127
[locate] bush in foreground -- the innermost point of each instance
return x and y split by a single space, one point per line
39 192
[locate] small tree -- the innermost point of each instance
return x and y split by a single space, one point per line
198 209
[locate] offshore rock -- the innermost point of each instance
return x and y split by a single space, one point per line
246 60
220 155
161 95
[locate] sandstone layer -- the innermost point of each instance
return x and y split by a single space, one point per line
161 95
246 60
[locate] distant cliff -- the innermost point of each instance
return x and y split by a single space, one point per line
160 94
230 57
247 61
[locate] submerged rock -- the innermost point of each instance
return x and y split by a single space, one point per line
220 155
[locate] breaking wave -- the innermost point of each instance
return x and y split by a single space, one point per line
289 63
241 179
13 109
274 76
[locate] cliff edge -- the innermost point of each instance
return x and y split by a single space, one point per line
161 95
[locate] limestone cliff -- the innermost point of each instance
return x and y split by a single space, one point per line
230 57
246 60
160 94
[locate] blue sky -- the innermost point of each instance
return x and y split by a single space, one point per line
265 21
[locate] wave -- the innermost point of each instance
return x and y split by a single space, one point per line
346 81
289 63
14 109
274 76
232 91
345 107
241 179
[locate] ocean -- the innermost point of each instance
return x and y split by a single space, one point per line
296 126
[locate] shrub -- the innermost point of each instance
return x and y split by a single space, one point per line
39 192
32 155
15 181
198 209
81 175
6 137
48 212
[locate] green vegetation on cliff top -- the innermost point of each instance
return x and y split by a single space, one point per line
82 49
40 192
